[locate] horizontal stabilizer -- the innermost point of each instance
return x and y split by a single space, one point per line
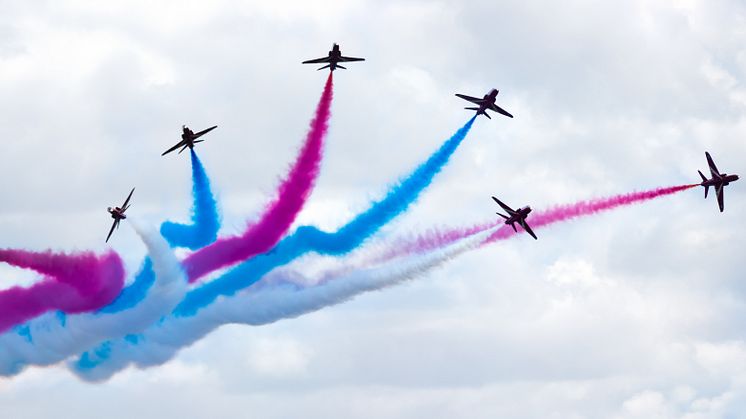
326 66
704 179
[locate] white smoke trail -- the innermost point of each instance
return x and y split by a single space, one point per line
50 339
281 299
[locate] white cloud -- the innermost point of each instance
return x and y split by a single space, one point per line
278 358
635 313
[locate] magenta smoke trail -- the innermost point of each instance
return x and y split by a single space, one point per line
279 214
72 283
582 208
435 239
432 239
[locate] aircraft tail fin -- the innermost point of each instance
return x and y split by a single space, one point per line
513 225
471 109
198 141
343 68
321 68
504 216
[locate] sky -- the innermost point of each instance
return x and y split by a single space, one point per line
636 313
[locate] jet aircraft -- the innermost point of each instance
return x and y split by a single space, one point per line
516 216
335 57
485 103
117 213
188 139
719 181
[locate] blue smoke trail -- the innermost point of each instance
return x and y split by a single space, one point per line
205 221
50 338
310 239
305 239
202 231
286 295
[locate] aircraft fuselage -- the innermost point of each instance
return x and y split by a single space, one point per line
188 137
116 213
520 214
724 180
335 52
334 57
489 100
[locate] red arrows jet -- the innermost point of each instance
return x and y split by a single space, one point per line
335 56
485 103
117 213
719 181
188 138
516 216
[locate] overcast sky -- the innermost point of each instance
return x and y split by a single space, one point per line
638 313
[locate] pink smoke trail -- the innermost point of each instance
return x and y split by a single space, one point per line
436 239
280 213
431 239
72 283
582 208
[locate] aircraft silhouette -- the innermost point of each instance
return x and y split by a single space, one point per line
117 213
516 216
485 103
719 181
188 139
334 57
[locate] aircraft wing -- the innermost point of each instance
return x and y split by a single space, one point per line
348 59
204 131
504 207
476 100
526 227
113 226
317 60
181 143
713 169
500 110
721 198
126 201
